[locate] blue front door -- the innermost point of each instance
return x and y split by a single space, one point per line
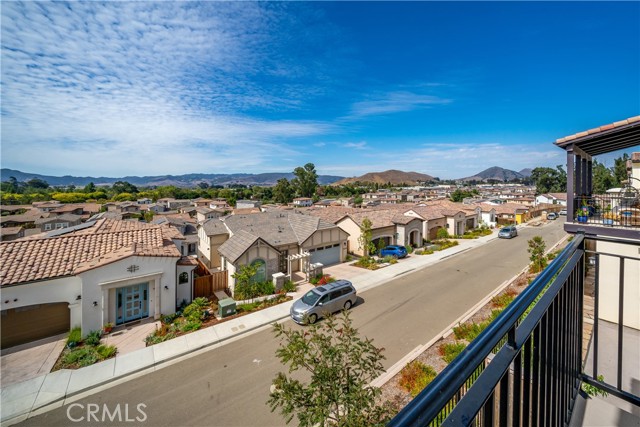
132 303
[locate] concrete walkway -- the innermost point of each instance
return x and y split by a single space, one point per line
46 392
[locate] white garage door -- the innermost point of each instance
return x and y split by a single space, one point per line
326 255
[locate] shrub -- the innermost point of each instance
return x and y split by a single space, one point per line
106 351
326 279
442 233
155 337
416 376
409 249
428 252
93 338
82 356
190 325
468 331
388 259
503 300
74 338
315 279
169 318
450 351
418 252
196 311
289 286
265 288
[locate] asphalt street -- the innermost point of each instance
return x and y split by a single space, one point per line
229 385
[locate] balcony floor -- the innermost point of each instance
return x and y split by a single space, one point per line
610 410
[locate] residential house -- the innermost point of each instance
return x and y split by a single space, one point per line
58 222
211 234
248 204
219 204
552 198
284 242
98 272
204 213
302 202
11 233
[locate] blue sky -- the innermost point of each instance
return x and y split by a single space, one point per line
443 88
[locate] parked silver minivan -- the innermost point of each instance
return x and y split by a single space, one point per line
323 299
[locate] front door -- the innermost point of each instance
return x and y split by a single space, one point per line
132 303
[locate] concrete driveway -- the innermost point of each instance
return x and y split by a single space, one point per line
23 362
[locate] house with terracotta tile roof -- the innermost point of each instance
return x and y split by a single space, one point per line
552 198
97 272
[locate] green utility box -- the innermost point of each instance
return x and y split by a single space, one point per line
226 307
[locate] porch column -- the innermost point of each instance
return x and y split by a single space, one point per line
579 187
585 189
105 307
156 303
589 177
570 186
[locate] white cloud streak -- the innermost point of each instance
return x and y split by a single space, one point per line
142 87
395 102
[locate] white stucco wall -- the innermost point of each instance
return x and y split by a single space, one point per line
609 289
99 285
65 289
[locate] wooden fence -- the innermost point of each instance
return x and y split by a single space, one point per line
206 286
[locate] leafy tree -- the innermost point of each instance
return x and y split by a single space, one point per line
282 191
245 287
121 197
306 180
620 169
148 215
536 251
10 186
549 180
341 365
358 200
37 183
90 188
123 187
603 178
365 238
459 195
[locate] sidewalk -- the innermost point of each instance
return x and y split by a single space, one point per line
52 390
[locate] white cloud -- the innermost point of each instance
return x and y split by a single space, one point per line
142 87
395 102
356 145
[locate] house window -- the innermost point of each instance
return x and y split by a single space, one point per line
183 278
261 271
47 227
62 225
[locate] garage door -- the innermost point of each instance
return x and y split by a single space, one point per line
34 322
326 255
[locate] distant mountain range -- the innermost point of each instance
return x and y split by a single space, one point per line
188 180
498 174
393 176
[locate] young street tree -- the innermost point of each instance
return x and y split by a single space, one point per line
365 238
536 252
306 180
341 364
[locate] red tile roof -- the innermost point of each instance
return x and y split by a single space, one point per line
42 258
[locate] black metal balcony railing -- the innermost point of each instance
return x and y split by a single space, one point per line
535 375
614 210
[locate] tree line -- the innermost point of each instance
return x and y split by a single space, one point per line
304 184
